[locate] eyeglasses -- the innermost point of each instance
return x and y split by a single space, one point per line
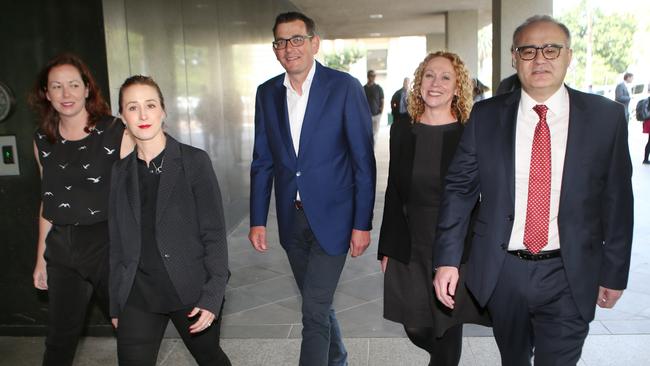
549 51
296 41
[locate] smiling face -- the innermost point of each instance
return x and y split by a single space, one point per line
539 77
142 112
296 60
438 85
66 91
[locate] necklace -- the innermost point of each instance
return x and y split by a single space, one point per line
158 169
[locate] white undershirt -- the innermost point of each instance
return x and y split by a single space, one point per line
557 118
296 107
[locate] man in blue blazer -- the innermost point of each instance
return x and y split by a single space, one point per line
313 143
554 232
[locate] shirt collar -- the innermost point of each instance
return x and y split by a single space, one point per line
306 84
557 103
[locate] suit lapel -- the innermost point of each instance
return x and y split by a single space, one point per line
283 118
132 186
171 170
575 136
318 93
509 126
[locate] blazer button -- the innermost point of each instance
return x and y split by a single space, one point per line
510 218
166 255
298 173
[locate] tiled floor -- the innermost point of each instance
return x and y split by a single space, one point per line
261 323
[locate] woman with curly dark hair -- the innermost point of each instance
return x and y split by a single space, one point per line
420 152
75 146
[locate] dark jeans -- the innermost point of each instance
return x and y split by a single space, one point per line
77 265
532 309
317 275
139 334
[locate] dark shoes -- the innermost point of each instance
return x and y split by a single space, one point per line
646 162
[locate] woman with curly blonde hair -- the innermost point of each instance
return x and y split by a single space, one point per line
420 152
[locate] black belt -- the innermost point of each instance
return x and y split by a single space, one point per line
528 256
298 205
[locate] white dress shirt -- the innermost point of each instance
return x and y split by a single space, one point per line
296 107
557 119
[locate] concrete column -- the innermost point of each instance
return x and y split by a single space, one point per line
436 41
506 16
462 37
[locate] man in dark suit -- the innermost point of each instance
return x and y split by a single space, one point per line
622 94
313 143
553 235
399 103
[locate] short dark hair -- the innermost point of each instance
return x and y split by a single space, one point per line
627 75
140 80
292 16
537 19
371 73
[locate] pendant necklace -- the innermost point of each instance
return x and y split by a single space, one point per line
158 169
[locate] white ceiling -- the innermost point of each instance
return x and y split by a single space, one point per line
351 18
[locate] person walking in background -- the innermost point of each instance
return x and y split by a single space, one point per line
75 146
622 93
313 144
168 250
375 96
420 152
478 90
399 103
553 234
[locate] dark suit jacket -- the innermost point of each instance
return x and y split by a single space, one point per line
334 169
394 238
394 107
596 203
190 229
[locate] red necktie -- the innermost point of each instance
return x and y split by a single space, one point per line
539 186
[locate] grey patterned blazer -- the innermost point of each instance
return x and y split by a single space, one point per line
190 229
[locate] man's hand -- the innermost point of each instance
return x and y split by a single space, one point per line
445 283
257 237
359 242
607 298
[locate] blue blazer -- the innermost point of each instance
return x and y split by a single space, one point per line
596 205
334 169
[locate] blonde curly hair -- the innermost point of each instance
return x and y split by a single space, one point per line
461 105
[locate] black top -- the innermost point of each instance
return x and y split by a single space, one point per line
76 174
426 181
152 289
374 94
419 157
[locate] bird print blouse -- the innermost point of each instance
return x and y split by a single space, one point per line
76 174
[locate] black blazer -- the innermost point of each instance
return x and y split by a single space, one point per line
394 237
190 229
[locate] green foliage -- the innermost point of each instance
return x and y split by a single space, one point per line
343 60
612 36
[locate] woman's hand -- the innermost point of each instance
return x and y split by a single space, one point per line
384 263
114 321
204 321
40 274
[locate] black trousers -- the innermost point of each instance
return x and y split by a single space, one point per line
139 334
533 313
317 275
77 266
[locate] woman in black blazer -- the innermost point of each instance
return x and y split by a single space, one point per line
420 152
168 252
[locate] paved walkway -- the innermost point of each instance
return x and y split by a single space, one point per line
261 323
